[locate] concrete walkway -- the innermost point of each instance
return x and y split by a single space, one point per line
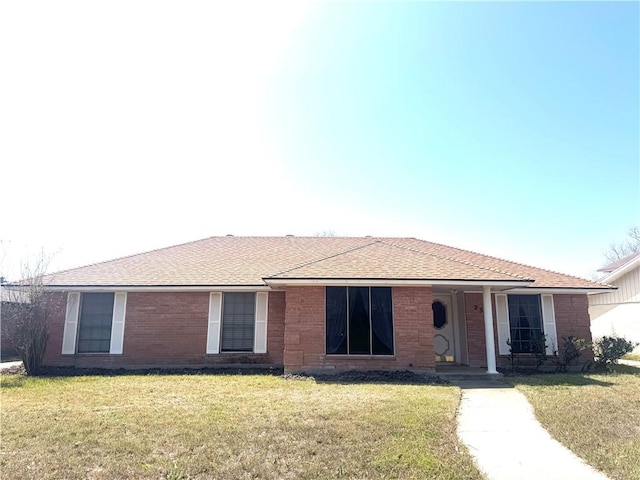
498 426
4 365
632 363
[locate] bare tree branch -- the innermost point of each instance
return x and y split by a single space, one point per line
325 233
622 249
25 311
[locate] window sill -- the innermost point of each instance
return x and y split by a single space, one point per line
342 356
92 354
524 355
233 353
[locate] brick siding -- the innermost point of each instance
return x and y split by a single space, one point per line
168 329
304 337
572 318
474 316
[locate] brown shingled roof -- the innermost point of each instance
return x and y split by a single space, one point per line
384 260
247 261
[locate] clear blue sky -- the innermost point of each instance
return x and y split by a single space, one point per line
506 128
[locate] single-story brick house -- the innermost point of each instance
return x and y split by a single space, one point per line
310 303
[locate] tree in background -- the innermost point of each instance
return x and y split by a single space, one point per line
26 308
622 249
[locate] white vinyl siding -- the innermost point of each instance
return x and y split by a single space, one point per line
628 291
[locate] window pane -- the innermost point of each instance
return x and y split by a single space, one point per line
359 331
382 321
336 313
439 314
96 314
238 322
525 320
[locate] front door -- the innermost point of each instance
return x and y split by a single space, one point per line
443 340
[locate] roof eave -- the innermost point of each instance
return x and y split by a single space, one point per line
408 282
567 290
624 269
158 288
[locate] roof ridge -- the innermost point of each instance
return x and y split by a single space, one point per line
333 255
509 261
451 259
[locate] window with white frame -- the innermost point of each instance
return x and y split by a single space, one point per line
94 323
238 321
359 321
96 315
526 323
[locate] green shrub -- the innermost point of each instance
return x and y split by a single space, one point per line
571 349
608 350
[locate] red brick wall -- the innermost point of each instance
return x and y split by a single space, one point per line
476 342
275 328
169 329
304 336
56 328
572 318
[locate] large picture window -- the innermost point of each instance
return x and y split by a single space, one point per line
525 323
96 315
238 321
359 321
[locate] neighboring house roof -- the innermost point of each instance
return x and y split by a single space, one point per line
619 268
619 263
13 295
255 261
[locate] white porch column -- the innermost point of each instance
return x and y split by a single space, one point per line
488 329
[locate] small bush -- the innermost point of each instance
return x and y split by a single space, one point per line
571 349
537 346
608 350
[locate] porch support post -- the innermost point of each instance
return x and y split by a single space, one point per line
488 329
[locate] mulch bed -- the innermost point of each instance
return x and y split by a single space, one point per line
15 370
371 376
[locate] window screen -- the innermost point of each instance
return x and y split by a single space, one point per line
336 320
96 315
359 321
238 322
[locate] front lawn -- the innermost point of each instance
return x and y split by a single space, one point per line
596 416
227 427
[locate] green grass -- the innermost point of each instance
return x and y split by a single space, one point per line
597 416
227 427
632 356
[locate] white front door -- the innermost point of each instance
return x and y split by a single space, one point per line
444 343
